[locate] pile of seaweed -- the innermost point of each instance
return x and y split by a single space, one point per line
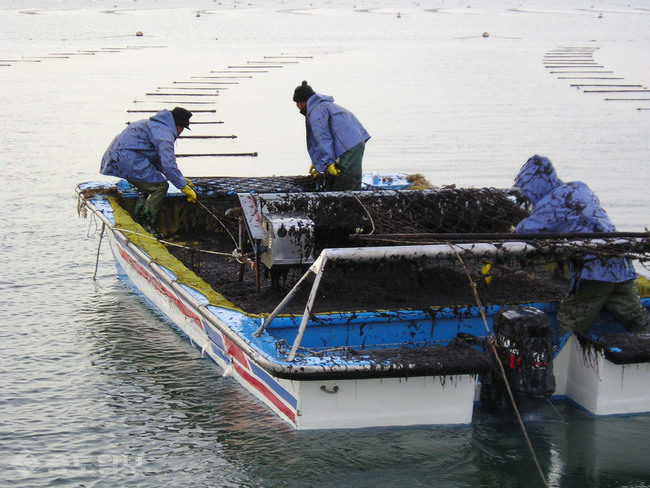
619 348
213 240
456 358
393 284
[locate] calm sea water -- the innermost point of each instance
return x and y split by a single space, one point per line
98 390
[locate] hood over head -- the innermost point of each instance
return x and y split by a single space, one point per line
537 178
165 118
318 98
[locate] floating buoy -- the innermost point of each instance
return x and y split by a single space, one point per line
138 34
486 34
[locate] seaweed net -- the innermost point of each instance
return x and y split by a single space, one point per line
443 210
341 217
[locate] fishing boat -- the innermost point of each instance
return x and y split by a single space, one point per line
399 304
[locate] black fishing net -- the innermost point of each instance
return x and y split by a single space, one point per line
343 217
443 210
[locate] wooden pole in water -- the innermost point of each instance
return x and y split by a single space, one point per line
213 88
584 72
182 94
605 85
209 137
587 78
617 91
251 154
208 82
176 102
248 66
156 111
572 66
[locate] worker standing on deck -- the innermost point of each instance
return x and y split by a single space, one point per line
599 282
336 140
143 154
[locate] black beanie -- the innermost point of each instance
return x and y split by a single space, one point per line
302 93
182 117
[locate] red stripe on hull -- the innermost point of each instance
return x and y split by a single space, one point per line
153 281
268 394
239 362
234 351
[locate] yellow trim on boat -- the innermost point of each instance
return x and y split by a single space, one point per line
161 256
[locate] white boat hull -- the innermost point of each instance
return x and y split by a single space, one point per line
354 403
588 379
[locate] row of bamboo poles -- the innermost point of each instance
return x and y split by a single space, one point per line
577 64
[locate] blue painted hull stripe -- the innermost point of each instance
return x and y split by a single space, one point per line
271 383
218 352
219 349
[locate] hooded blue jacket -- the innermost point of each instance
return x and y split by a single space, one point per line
144 152
331 130
568 207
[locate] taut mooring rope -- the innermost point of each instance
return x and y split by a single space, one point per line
503 372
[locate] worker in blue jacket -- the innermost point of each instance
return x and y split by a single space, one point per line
599 282
143 154
336 140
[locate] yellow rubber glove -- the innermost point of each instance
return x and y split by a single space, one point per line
191 195
312 171
189 182
331 169
486 272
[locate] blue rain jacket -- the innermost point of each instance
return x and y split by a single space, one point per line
568 207
144 152
331 130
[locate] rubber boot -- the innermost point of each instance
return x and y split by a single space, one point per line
150 224
138 210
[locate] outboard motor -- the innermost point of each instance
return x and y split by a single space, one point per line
524 345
